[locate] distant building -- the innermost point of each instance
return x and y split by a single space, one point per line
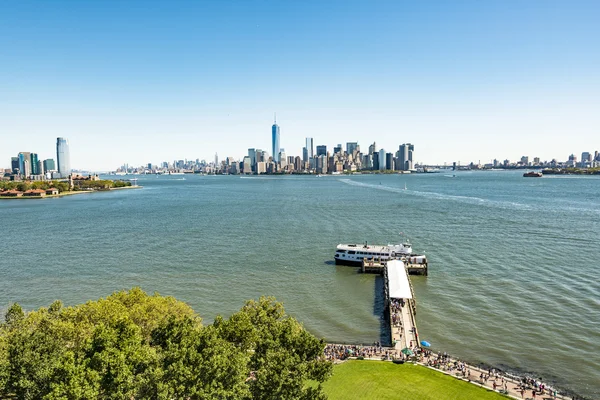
405 157
351 146
63 157
586 157
252 155
34 164
310 153
282 158
389 161
321 150
381 159
337 149
247 165
372 149
275 138
25 163
14 165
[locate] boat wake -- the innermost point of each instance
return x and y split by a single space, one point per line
440 196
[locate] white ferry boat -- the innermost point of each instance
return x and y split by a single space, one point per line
353 254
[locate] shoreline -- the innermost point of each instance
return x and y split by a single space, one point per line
70 193
470 373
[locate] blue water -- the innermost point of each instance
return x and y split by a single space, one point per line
514 262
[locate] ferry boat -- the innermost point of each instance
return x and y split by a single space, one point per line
532 174
353 254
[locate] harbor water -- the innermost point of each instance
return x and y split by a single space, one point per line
514 274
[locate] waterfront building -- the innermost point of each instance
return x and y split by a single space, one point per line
350 147
321 150
63 157
309 148
405 157
275 137
298 165
261 167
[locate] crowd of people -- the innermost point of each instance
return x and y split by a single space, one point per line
396 311
335 352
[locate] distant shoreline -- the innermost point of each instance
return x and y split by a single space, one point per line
70 193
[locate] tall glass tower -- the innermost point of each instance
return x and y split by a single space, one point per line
275 140
63 157
309 148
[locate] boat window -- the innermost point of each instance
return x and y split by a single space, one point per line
351 252
340 251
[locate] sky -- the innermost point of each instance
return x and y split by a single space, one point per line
149 81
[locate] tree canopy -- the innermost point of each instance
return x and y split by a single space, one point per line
133 345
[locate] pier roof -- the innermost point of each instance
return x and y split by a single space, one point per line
398 280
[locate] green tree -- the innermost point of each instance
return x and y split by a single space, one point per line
132 345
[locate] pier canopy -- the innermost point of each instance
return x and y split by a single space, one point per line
399 286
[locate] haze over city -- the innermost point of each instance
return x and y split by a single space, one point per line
152 82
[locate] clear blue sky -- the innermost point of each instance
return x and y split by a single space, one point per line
149 81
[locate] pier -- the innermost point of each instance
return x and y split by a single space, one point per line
400 302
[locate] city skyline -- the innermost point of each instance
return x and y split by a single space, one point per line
469 81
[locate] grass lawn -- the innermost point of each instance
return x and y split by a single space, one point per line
384 380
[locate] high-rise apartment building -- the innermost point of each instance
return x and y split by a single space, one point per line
63 157
310 149
275 140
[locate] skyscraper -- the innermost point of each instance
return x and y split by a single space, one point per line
381 158
405 156
350 147
309 148
321 150
34 164
275 140
63 157
252 155
25 163
14 165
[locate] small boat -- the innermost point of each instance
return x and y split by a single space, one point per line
532 174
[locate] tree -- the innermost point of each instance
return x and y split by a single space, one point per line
132 345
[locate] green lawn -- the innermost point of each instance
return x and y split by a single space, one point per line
384 380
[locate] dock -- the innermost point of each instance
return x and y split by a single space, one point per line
400 302
413 265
